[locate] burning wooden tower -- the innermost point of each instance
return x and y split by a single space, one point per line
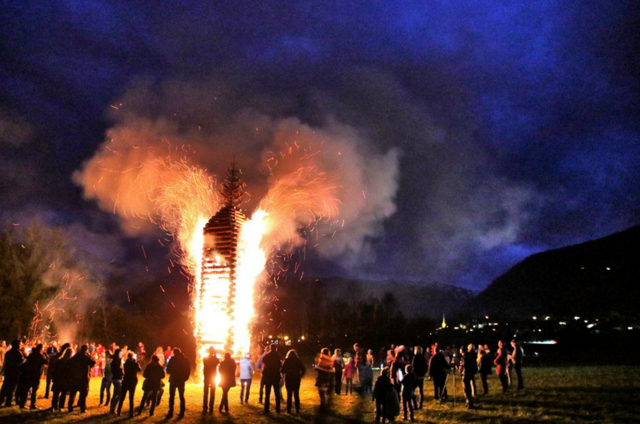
217 292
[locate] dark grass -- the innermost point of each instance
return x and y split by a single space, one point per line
552 395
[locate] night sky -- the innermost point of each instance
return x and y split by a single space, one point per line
486 130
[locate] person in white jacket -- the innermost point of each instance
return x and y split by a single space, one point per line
246 374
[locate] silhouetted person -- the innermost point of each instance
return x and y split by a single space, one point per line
52 358
107 379
3 350
324 377
129 383
60 379
468 371
30 373
179 370
209 372
117 374
420 368
438 371
501 361
516 357
366 379
386 398
485 367
227 371
246 375
271 376
153 374
141 355
408 388
260 366
293 371
338 367
397 369
13 359
81 365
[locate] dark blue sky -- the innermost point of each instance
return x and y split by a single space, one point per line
517 124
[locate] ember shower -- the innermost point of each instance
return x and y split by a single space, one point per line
325 182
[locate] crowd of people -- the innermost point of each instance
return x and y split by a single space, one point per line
405 370
400 387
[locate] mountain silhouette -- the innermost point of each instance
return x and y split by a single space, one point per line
596 278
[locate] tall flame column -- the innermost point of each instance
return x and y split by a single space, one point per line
218 282
217 291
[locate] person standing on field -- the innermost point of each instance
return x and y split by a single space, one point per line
324 377
516 358
13 359
81 365
438 371
227 371
420 367
153 374
129 383
271 375
502 361
60 379
408 389
116 379
209 372
260 366
485 367
468 371
52 357
105 384
179 370
30 377
338 367
293 371
246 375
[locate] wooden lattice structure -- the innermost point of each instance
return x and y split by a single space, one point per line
219 259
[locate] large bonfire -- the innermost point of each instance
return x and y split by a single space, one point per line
231 261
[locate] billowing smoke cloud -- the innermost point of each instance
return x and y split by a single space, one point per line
63 279
170 144
458 212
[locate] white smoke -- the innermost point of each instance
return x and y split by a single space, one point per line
347 184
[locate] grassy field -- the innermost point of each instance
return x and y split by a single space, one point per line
552 395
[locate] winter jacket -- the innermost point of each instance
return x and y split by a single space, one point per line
153 374
272 364
131 370
178 369
227 371
293 370
210 367
246 369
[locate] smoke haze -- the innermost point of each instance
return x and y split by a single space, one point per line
298 172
